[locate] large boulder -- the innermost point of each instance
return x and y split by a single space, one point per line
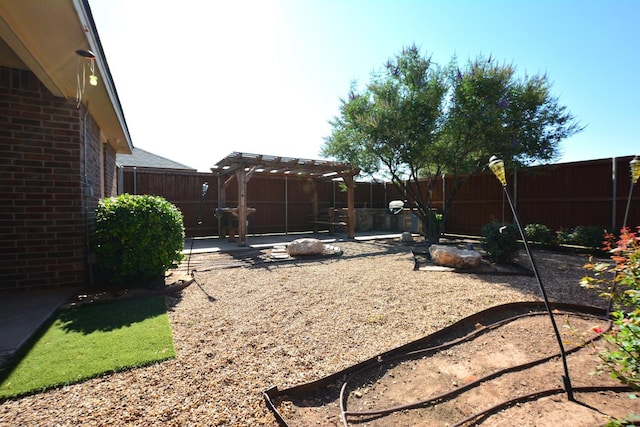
306 246
449 256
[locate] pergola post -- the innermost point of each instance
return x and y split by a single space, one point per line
314 187
351 205
222 201
241 176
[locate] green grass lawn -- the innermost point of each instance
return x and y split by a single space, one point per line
90 340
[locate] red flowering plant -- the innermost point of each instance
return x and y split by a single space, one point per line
620 282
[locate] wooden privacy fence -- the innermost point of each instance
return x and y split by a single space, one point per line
561 196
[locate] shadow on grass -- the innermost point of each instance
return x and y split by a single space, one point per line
111 315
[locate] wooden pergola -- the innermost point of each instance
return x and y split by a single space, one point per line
243 166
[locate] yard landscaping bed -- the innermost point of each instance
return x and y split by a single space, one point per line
246 325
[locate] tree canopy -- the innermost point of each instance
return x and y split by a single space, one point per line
416 120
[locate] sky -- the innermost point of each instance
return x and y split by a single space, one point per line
200 79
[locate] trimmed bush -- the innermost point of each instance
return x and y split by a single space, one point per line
138 238
500 241
538 233
591 237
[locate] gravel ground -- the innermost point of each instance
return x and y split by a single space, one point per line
247 324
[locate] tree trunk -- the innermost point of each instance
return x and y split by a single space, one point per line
431 227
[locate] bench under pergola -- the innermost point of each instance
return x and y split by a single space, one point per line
243 166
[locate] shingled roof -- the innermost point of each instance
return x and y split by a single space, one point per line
144 159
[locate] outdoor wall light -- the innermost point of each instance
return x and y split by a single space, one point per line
86 55
497 167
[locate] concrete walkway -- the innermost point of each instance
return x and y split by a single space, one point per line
215 244
22 314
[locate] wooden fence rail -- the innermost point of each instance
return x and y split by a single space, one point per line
561 196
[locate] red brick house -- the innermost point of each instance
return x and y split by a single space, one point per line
59 136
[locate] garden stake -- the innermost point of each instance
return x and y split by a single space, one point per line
497 167
205 187
203 193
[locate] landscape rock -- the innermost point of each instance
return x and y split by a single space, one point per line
406 237
305 246
449 256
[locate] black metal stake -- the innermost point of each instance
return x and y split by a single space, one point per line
205 187
566 380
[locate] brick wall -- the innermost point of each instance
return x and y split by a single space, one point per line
109 167
45 201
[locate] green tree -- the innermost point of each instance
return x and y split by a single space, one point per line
416 120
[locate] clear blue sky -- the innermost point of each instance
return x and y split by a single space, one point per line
199 79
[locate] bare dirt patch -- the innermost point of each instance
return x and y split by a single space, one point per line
509 374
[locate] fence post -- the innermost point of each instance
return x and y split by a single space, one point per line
614 193
333 190
385 194
444 198
515 187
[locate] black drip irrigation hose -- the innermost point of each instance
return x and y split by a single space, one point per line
536 395
578 311
452 393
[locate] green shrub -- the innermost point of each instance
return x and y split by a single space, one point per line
591 237
538 233
500 241
563 237
138 238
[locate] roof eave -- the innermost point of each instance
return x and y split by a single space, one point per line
45 37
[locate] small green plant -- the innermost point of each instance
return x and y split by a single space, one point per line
500 241
590 237
138 238
631 420
621 284
539 233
